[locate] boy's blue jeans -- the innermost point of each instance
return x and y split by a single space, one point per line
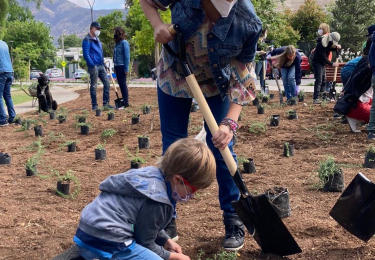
5 85
95 72
174 118
289 81
259 72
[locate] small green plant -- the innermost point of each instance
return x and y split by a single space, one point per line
290 112
35 159
144 106
222 255
42 113
51 111
371 149
324 103
80 117
67 143
327 168
84 124
301 94
100 146
259 96
258 128
241 161
286 146
68 177
107 133
143 136
110 112
262 106
26 124
266 98
63 111
135 158
135 115
106 108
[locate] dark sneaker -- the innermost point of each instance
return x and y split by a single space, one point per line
94 107
234 232
109 106
317 101
4 124
371 136
171 230
10 120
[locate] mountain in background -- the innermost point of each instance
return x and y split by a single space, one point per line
63 15
295 4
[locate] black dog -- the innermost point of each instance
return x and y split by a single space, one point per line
44 95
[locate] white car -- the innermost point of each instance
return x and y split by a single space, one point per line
79 73
54 73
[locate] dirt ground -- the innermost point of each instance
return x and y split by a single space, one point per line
35 223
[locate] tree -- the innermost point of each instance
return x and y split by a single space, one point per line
109 23
307 20
4 5
70 41
18 13
351 18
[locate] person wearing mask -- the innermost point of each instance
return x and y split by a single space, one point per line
121 60
261 55
93 54
6 78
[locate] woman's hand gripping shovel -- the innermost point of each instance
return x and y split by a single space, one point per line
119 104
256 212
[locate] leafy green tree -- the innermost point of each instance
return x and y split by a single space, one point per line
4 5
110 22
18 13
351 18
24 54
70 41
307 20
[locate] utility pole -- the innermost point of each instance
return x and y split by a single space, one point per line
91 8
63 54
29 69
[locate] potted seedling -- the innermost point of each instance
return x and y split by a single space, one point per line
62 119
288 149
146 109
272 95
279 200
81 118
5 158
85 128
26 124
107 133
72 145
52 114
31 164
135 160
330 175
265 98
256 102
98 112
261 109
111 115
100 153
292 114
135 119
17 120
258 127
275 120
38 130
248 166
63 184
370 157
301 96
143 142
62 115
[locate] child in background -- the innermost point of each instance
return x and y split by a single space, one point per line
127 220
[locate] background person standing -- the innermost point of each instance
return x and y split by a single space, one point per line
93 54
6 78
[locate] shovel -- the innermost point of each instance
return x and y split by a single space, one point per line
119 101
277 83
256 212
355 209
332 91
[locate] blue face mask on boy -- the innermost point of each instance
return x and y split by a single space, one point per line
176 196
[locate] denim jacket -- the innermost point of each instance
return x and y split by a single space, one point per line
232 37
121 55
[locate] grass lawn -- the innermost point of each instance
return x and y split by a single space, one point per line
20 97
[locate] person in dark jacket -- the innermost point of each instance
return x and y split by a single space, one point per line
261 64
93 54
323 48
289 61
371 124
121 59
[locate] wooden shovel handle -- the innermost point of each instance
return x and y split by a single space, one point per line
172 30
336 68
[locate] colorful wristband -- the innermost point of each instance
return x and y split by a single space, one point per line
233 125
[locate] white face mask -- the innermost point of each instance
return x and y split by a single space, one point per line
97 33
320 32
223 6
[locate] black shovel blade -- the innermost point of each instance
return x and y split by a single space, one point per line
281 98
355 209
265 225
119 103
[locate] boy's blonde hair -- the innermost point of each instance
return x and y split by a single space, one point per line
282 59
324 27
191 159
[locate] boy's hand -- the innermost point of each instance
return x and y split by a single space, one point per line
176 256
161 33
172 246
222 137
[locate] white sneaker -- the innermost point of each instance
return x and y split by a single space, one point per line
353 124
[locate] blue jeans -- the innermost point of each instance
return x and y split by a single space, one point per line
289 81
95 72
121 80
259 72
133 252
5 85
371 123
174 117
320 79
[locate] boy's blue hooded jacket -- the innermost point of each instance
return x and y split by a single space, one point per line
92 51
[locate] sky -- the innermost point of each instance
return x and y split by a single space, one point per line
101 4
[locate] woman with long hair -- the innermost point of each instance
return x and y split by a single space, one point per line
289 61
121 60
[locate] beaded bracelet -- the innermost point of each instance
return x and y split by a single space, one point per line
233 125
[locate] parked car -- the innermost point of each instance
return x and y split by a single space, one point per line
35 74
79 73
54 73
154 74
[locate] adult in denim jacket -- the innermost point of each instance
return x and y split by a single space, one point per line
93 54
6 78
220 49
121 59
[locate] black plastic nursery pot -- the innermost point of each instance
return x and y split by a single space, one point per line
369 160
193 108
98 112
143 142
52 116
72 147
32 171
38 130
111 116
63 187
279 200
272 96
301 99
5 158
256 102
62 119
275 120
335 182
264 99
288 150
147 110
135 165
82 120
260 110
100 154
135 120
292 102
293 116
249 167
18 121
85 130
